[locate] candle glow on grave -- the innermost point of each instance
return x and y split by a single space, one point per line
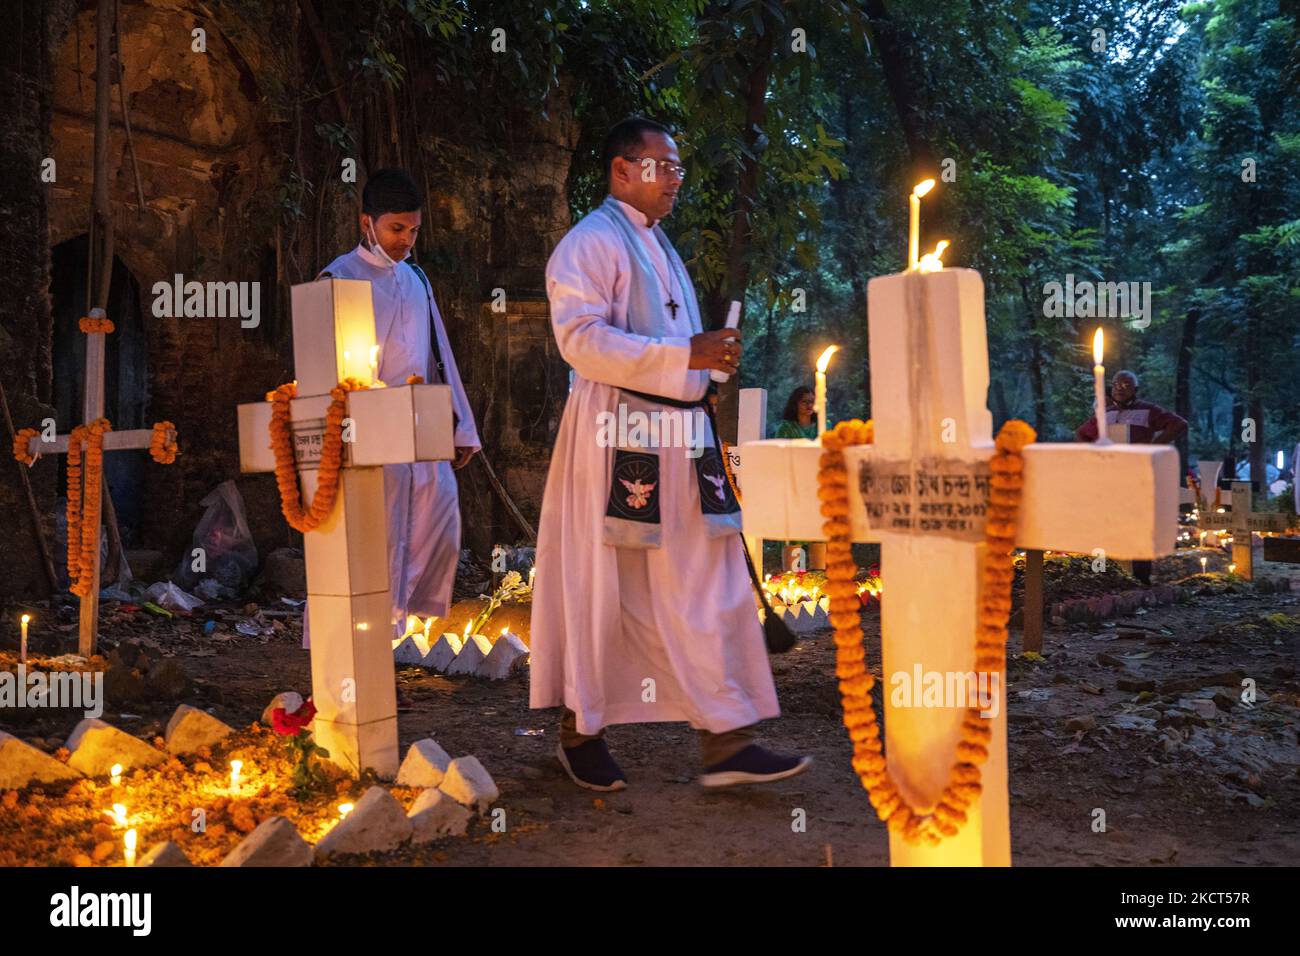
22 654
820 397
914 222
235 767
128 846
1099 388
115 775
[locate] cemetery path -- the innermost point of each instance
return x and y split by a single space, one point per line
1178 782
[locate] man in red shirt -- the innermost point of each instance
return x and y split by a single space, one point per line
1149 424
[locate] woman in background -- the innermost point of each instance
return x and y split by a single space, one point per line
797 420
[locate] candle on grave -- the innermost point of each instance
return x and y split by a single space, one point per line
820 396
1099 388
22 653
115 775
128 846
235 767
914 221
532 573
344 810
119 814
1203 563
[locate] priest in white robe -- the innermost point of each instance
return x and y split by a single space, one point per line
643 609
421 498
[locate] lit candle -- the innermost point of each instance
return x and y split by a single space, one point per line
933 261
344 810
374 364
128 844
914 221
26 618
1099 389
1232 569
532 573
1280 459
235 767
820 396
119 814
115 775
1203 562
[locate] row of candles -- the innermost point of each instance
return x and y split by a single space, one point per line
130 838
933 262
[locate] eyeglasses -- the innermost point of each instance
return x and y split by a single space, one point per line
660 166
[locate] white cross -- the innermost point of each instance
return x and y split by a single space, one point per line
347 555
937 389
93 408
1243 523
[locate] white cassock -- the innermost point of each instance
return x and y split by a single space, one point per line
607 620
420 498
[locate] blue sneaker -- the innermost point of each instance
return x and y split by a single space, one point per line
753 765
590 765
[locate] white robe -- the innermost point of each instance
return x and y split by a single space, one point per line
607 620
420 498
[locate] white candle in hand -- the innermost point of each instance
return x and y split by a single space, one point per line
1099 389
820 394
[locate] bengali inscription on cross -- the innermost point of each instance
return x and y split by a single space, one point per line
347 555
920 491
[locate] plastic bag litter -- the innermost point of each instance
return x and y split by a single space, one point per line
169 596
229 554
209 589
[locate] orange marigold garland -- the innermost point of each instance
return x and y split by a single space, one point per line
92 324
331 459
162 446
963 788
84 500
21 442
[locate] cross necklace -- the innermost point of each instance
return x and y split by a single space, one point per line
672 304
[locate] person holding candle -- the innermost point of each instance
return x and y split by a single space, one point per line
422 498
1149 424
643 609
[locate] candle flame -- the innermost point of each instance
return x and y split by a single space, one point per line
28 617
923 187
1098 342
119 814
129 841
115 770
825 358
344 810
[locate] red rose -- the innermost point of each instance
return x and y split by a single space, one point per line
288 725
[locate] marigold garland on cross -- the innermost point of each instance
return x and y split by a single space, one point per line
964 787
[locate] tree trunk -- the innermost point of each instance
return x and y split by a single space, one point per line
738 247
1036 362
895 61
1183 380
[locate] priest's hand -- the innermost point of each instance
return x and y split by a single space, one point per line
719 350
463 455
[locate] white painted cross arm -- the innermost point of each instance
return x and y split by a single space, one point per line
1076 497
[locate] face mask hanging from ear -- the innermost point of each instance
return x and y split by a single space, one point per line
378 250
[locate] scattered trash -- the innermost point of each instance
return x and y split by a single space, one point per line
529 732
209 627
155 609
114 593
1036 694
211 590
291 602
169 596
224 540
250 628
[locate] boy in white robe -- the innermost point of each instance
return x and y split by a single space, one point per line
421 498
642 606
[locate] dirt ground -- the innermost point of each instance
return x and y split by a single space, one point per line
1177 788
